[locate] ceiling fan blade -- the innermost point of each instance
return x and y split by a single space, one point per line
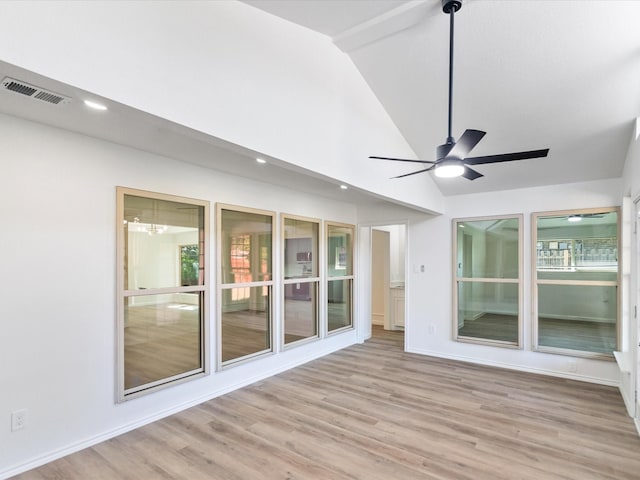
471 174
413 173
465 143
403 160
506 157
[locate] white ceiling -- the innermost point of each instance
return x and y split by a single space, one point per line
563 75
533 74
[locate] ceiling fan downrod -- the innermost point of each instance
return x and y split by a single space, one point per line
450 7
452 158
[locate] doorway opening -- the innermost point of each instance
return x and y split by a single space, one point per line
388 281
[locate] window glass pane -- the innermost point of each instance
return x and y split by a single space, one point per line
246 247
246 325
189 265
577 317
161 337
339 308
155 231
578 246
300 311
488 248
488 310
340 253
300 248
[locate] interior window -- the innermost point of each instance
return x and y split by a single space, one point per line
487 276
162 290
301 279
339 256
576 281
246 287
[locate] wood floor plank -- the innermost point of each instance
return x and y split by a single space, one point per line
371 412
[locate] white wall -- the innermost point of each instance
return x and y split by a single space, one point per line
397 254
380 267
225 69
57 291
429 294
631 178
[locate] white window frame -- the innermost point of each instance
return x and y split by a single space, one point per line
226 286
315 282
459 278
327 279
535 282
123 394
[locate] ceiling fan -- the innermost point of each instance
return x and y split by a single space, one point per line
451 157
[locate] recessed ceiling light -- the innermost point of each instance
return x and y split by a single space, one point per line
94 105
260 160
343 187
574 218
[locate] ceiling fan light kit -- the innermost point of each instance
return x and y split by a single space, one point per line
451 157
449 169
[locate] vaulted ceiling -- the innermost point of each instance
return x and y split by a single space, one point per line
563 75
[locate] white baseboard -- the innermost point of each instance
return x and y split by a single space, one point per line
377 319
519 368
628 402
89 442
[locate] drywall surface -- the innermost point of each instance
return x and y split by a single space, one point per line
225 69
429 313
58 288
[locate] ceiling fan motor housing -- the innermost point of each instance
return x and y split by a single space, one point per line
443 150
448 5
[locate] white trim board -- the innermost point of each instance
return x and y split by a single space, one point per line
94 440
519 368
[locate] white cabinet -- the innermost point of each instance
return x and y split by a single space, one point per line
397 307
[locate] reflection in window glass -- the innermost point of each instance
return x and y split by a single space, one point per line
339 308
154 231
246 326
189 265
340 250
300 311
488 310
578 246
246 264
339 255
246 246
577 317
300 279
488 248
577 281
300 248
162 337
161 321
488 280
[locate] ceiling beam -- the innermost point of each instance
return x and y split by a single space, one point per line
400 18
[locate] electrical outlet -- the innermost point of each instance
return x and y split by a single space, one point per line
18 420
432 329
572 366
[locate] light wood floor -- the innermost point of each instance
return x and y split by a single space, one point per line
373 412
